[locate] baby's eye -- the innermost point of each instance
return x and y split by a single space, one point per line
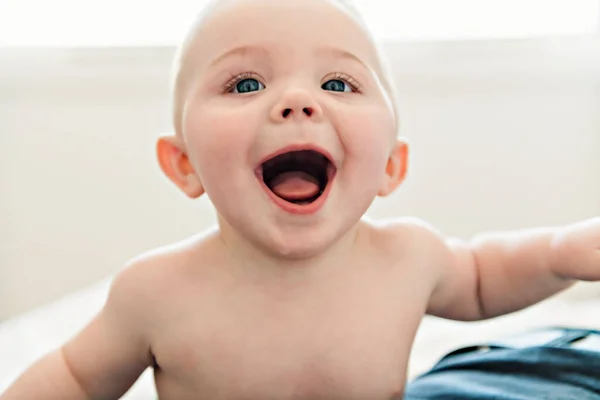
337 85
248 85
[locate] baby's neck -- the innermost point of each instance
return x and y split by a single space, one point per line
248 258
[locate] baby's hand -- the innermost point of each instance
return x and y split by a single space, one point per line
575 251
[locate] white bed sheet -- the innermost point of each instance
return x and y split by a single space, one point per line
25 338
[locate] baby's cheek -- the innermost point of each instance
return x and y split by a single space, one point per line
369 133
215 140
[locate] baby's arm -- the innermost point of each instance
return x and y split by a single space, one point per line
101 362
499 273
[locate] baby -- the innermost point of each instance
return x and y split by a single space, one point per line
284 117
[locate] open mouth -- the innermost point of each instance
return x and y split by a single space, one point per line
298 177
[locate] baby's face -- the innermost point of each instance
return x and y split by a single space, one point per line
285 121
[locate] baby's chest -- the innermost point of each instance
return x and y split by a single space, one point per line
354 348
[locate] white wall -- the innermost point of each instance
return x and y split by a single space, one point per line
504 135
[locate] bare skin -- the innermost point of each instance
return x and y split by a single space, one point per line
308 335
299 300
212 329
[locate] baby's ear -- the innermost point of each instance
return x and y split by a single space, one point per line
176 165
395 170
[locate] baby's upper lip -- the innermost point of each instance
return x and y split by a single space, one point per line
298 147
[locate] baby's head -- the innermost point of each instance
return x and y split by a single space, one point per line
285 116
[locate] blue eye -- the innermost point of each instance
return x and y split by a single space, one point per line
336 85
248 85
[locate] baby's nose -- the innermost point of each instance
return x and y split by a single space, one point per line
308 111
296 104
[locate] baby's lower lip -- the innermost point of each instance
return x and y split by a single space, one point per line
292 208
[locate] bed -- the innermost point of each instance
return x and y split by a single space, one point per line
25 338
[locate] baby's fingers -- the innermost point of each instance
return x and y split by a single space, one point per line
577 251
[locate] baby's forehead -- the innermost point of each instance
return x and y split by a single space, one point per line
213 6
293 24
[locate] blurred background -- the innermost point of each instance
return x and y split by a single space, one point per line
500 100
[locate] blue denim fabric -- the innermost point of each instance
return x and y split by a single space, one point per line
549 364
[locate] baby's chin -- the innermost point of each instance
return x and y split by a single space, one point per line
294 244
301 248
311 244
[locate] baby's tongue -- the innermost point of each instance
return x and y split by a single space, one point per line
295 185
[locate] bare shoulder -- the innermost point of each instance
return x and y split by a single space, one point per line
108 355
138 284
414 241
415 233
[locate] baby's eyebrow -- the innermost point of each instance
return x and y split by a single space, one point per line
240 51
261 52
335 52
